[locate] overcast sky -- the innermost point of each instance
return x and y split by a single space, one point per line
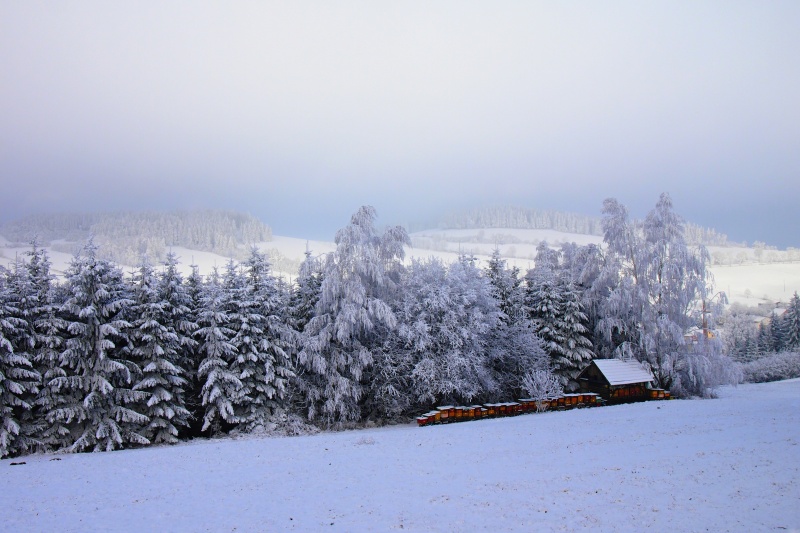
300 112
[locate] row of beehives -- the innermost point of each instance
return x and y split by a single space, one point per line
450 413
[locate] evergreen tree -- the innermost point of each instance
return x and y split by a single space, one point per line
263 342
513 348
220 384
306 293
19 380
764 339
776 333
792 324
104 417
575 351
187 307
156 347
52 434
545 300
506 287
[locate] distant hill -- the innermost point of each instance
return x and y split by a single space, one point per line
511 217
125 236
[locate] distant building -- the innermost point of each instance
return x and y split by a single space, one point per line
694 334
778 312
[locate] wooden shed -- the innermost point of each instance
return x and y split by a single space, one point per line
616 380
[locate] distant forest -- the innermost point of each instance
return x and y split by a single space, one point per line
526 218
124 237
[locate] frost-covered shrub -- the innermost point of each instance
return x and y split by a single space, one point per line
542 385
700 373
775 367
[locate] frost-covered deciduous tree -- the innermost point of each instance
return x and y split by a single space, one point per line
338 342
541 386
102 415
736 333
445 318
659 282
703 368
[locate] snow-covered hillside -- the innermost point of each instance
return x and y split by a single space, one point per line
747 275
746 280
730 464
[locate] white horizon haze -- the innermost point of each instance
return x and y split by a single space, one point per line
300 112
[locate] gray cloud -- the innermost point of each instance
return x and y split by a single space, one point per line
300 112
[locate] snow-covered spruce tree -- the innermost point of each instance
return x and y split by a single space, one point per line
777 334
191 298
220 384
19 381
575 351
102 414
156 347
506 287
513 347
306 292
556 304
583 267
763 340
545 302
263 341
51 434
791 327
338 342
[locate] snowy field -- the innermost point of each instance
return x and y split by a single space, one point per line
748 283
730 464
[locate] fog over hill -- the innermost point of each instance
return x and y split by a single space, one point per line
513 217
126 236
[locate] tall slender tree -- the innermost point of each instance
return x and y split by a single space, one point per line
48 326
220 384
19 381
104 417
263 341
156 346
339 341
792 324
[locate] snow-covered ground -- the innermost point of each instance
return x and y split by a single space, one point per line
730 464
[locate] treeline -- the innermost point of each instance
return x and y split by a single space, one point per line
526 218
747 341
103 361
124 237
